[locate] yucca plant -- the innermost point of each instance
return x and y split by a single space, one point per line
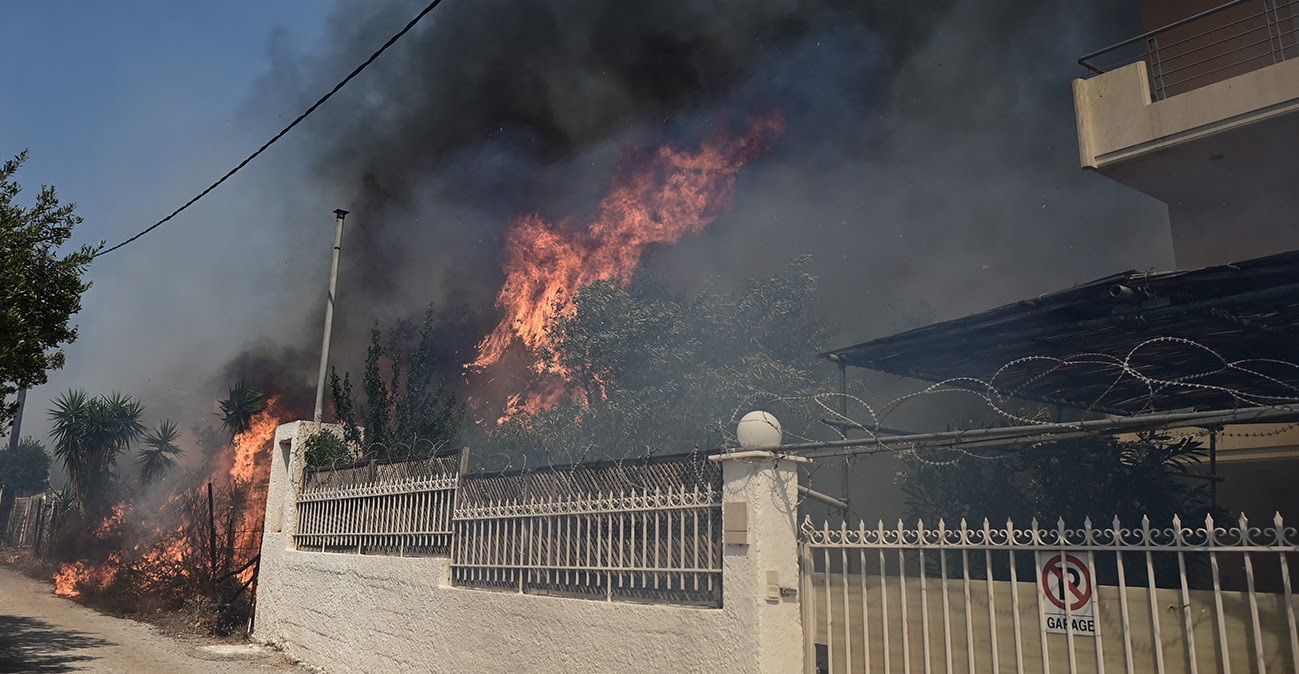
89 434
158 456
238 409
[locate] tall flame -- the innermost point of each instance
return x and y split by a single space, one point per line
246 464
252 467
657 200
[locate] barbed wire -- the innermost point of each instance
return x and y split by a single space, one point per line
811 417
829 416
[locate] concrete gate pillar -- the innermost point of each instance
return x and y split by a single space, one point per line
760 558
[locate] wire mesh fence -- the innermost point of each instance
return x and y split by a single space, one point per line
634 530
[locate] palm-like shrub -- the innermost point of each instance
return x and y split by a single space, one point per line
158 456
238 409
89 434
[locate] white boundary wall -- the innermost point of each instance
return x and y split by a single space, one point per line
369 613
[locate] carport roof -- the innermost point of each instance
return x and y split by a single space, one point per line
1217 337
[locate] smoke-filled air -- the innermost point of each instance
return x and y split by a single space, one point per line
731 171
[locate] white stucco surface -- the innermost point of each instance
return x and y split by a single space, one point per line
370 613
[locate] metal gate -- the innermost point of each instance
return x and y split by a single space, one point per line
1145 599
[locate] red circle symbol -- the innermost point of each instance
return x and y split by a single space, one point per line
1068 579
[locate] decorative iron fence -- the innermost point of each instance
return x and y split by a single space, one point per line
633 530
1118 599
398 507
1228 40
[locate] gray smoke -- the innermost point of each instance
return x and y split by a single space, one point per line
930 167
930 163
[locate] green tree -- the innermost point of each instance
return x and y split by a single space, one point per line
30 472
238 409
411 411
89 434
323 448
649 371
40 287
158 456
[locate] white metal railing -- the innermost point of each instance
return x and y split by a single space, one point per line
1173 599
395 508
647 531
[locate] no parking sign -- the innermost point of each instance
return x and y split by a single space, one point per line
1067 594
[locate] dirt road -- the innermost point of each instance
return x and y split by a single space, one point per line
40 632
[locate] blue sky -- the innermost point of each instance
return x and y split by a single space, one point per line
110 97
129 108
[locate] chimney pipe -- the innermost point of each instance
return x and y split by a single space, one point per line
329 313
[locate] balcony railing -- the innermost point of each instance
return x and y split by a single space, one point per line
1214 45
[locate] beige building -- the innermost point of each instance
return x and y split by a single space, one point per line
1201 111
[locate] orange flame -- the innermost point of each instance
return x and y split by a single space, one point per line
252 466
247 463
658 201
113 522
250 446
72 578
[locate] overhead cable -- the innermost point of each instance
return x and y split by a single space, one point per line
392 40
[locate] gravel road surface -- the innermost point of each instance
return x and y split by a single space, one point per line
40 632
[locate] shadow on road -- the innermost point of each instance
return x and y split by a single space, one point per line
31 645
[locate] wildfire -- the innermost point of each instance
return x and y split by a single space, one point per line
72 578
250 446
113 522
251 468
652 200
161 552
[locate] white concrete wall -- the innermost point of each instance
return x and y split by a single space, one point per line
364 613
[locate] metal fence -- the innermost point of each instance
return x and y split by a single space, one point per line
398 507
1173 599
634 530
1228 40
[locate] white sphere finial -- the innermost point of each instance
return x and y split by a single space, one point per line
758 429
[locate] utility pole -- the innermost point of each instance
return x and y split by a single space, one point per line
13 432
329 312
6 495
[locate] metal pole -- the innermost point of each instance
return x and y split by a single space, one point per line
1039 432
843 411
329 312
211 535
1213 466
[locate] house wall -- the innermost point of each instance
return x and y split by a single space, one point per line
369 613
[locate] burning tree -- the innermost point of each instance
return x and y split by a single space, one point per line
650 371
194 547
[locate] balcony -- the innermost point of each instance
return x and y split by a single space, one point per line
1203 114
1229 40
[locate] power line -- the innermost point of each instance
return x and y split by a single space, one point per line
283 131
